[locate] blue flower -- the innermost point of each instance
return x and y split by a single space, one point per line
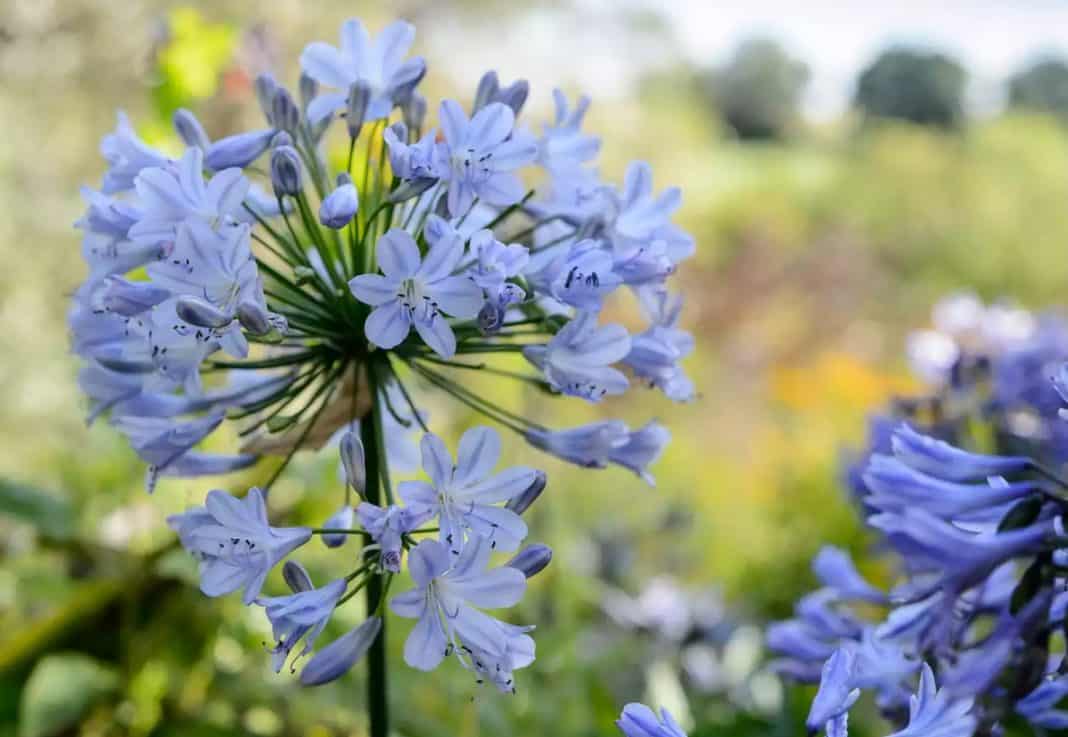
238 150
933 713
300 615
655 353
563 147
837 692
379 64
415 291
447 591
342 519
1039 706
171 195
411 161
126 155
942 460
638 720
494 264
480 154
581 277
236 545
598 444
835 569
576 361
464 496
387 526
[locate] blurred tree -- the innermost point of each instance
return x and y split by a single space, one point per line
1042 86
758 91
920 86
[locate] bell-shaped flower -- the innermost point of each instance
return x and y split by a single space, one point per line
170 195
340 206
415 291
638 720
127 155
655 354
106 247
480 155
494 263
447 600
464 495
932 712
411 162
378 63
576 361
598 444
942 460
300 615
563 147
835 569
387 526
642 222
236 545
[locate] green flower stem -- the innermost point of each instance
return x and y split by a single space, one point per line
377 479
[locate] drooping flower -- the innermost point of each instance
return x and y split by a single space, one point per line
416 292
379 64
655 353
337 658
598 444
236 545
577 360
464 495
447 591
301 615
932 712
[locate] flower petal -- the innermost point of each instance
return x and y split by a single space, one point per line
397 254
324 63
491 125
388 325
373 289
425 647
458 296
454 123
477 454
436 461
437 333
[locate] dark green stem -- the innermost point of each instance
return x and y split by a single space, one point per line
377 693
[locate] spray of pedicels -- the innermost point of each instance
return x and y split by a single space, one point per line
247 282
965 488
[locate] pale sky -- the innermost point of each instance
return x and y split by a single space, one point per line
594 47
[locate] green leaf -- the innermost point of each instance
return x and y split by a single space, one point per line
61 689
1022 514
53 516
1030 584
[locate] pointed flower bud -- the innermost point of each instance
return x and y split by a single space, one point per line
359 97
532 559
486 92
296 577
265 89
281 138
309 89
196 311
254 318
284 111
190 130
490 318
522 502
238 150
129 298
339 207
337 658
354 461
515 95
342 519
285 171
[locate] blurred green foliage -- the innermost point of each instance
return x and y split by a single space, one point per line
815 257
909 84
1041 87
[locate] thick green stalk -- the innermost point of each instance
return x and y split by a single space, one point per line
377 673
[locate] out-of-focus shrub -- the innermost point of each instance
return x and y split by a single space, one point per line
910 84
758 91
1042 87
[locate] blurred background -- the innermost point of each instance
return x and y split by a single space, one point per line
843 167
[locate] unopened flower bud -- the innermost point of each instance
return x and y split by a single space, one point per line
532 559
359 97
354 462
254 318
129 298
342 519
522 502
337 658
414 112
515 95
281 138
284 111
296 577
285 171
486 92
238 150
265 89
196 311
309 89
339 207
490 318
190 130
